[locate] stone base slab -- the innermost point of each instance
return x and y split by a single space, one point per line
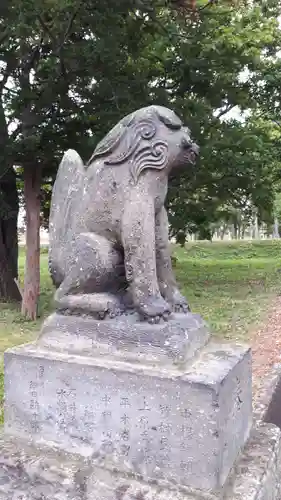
29 472
126 337
184 425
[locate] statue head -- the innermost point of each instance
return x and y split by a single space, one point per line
149 138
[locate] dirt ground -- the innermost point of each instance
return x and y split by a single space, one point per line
266 345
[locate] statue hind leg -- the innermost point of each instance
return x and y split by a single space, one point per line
95 279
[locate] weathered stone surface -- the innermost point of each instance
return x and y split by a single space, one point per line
125 338
109 247
42 473
38 473
182 425
257 473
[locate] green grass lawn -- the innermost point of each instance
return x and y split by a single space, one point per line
230 284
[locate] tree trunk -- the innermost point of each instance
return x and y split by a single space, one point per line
32 183
256 227
10 223
223 230
239 231
234 231
8 237
276 228
9 208
8 287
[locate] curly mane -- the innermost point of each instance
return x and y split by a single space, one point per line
133 138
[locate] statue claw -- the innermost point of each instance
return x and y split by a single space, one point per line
166 316
155 320
101 315
181 308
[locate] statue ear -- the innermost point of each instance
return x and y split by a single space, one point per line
151 156
171 120
109 143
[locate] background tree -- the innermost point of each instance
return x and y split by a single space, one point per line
72 69
213 70
8 188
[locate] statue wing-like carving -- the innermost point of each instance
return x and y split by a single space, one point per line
134 139
108 144
66 192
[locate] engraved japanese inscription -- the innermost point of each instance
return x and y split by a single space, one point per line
109 418
133 420
34 390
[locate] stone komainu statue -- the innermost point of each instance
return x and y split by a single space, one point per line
109 248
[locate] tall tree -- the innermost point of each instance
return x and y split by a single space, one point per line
66 57
213 67
8 189
75 68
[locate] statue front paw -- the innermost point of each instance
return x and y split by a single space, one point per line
153 309
177 301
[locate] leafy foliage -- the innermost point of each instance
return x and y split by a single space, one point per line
72 69
239 160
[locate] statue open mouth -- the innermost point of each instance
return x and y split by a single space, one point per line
191 150
191 156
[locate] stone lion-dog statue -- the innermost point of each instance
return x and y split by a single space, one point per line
109 248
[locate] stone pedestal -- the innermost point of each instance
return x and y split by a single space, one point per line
33 471
121 410
125 338
183 423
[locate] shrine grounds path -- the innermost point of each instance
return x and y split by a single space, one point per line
235 286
